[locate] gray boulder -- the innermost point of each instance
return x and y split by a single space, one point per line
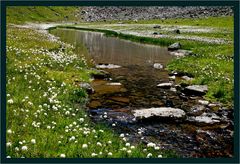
196 89
158 66
165 85
205 119
181 53
174 46
161 112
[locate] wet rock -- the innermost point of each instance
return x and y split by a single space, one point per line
172 77
158 66
196 89
169 103
174 46
203 102
165 85
173 89
187 78
161 112
94 104
157 26
100 74
115 84
181 53
177 31
157 33
196 110
157 103
214 106
87 87
120 99
107 66
205 118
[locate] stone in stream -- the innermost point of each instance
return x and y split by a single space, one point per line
156 26
177 31
100 74
203 102
165 85
87 87
205 119
181 53
107 66
196 89
187 78
161 112
196 110
174 46
158 66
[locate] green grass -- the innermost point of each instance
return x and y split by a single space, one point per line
45 111
23 14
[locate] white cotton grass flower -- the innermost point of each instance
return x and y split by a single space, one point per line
10 101
157 148
109 142
127 144
99 144
8 156
9 131
122 135
16 149
94 154
149 155
109 154
33 141
160 156
62 155
84 146
132 147
24 148
151 144
8 144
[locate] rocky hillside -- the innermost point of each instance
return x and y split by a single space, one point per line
141 13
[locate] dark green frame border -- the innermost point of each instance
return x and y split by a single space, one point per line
234 4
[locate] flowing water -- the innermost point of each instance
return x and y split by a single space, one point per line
133 85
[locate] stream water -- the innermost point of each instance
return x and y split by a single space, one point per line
133 86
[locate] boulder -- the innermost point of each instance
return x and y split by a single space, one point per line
205 119
157 26
196 110
203 102
177 31
87 87
158 66
156 33
187 78
181 53
174 46
161 112
164 85
196 89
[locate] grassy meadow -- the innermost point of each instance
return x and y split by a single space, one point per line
45 105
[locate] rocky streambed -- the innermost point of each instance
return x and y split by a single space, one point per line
134 94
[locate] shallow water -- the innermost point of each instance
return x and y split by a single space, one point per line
134 86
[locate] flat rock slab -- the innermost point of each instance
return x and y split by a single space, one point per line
165 85
174 46
181 53
107 66
196 89
162 112
205 118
